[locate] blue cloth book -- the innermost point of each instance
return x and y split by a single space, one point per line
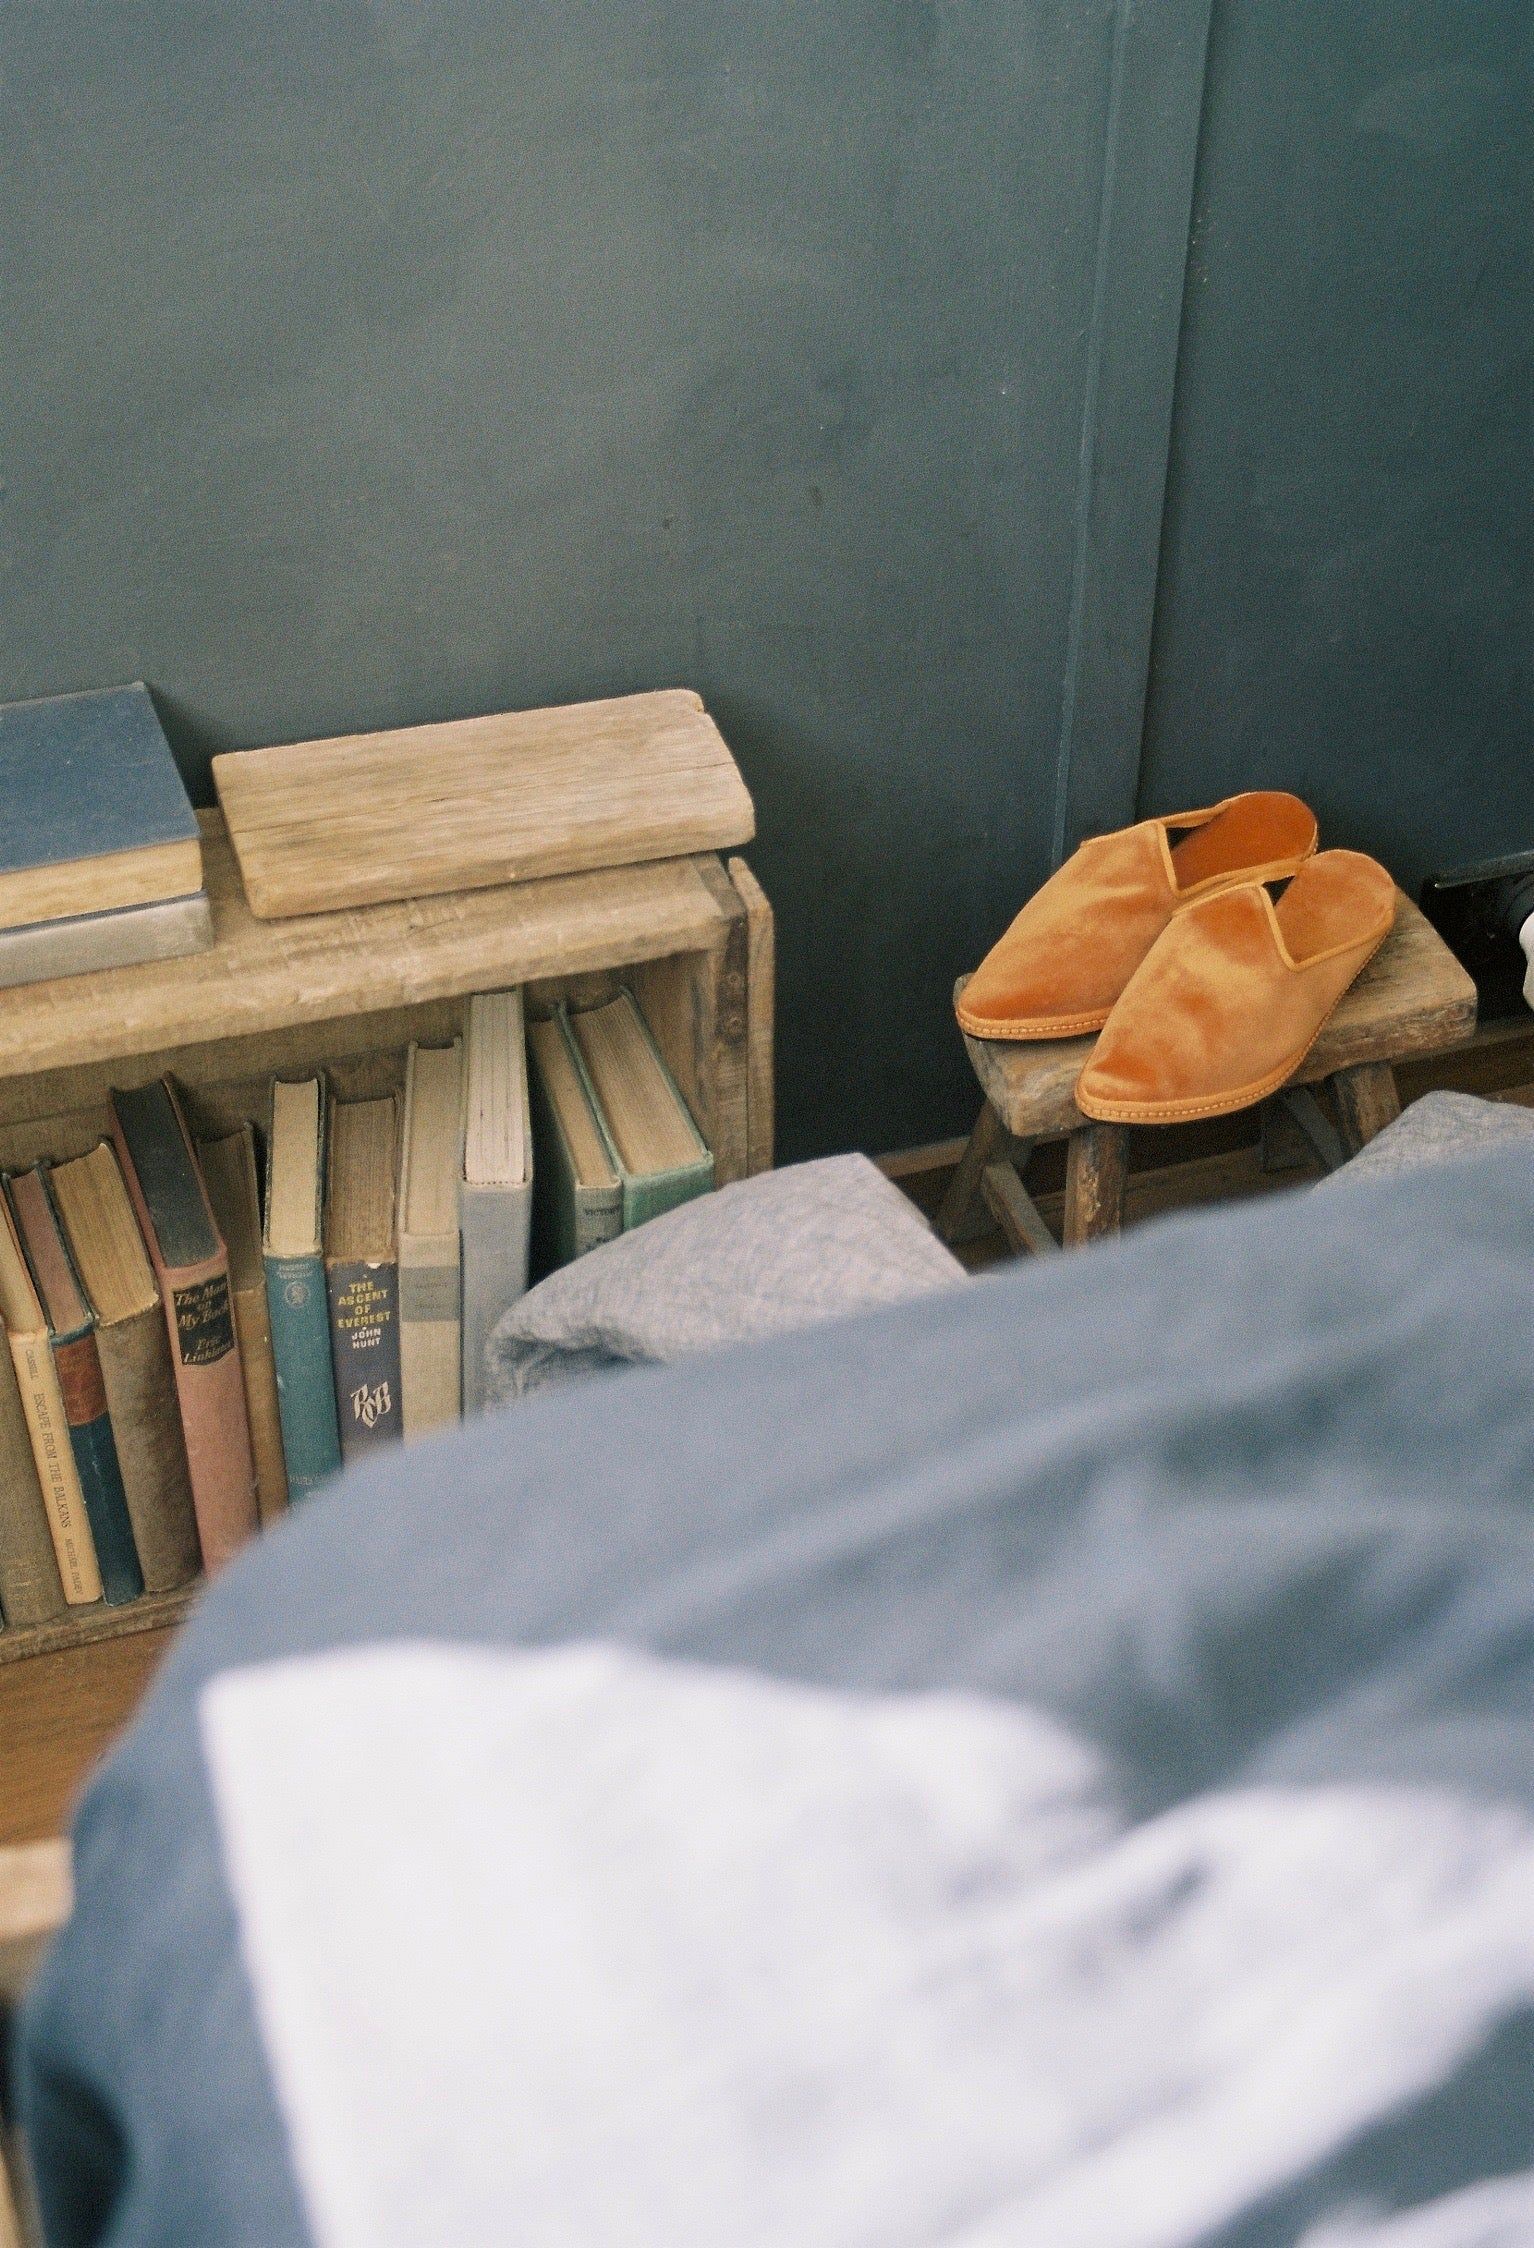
94 816
296 1298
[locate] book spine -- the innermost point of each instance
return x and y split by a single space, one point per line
253 1326
30 1591
306 1388
127 939
664 1190
597 1216
364 1341
151 1451
211 1388
430 1334
78 1365
496 1222
73 1547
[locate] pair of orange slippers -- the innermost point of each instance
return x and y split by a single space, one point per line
1166 937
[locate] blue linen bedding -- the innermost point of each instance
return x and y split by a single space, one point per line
1052 1763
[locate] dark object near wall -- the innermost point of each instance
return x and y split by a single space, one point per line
1480 911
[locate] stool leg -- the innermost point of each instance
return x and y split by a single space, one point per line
1282 1146
1367 1101
1311 1121
1096 1170
986 1142
1015 1211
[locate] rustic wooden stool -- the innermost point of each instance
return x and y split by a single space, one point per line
1413 998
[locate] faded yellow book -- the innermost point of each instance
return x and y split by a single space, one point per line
136 1371
37 1379
430 1245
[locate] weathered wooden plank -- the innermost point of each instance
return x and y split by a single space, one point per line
1367 1101
1096 1173
36 1894
1015 1211
955 1211
264 976
479 802
724 1031
761 1014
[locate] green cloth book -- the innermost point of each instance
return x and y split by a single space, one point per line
296 1299
577 1189
660 1156
496 1196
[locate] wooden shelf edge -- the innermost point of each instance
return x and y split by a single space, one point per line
84 1627
263 976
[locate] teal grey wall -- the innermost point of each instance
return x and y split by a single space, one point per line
1347 596
368 363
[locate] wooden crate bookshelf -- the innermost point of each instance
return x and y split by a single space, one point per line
348 991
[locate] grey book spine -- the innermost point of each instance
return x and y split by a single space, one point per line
497 1227
129 939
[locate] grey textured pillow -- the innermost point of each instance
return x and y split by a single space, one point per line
1438 1129
771 1253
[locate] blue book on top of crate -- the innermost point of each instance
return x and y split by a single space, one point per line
94 816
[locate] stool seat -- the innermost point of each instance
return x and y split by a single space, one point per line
1413 998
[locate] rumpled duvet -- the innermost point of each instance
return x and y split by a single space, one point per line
1050 1764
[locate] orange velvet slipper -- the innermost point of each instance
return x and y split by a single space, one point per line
1232 997
1078 940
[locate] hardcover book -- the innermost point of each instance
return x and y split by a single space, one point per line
497 1195
77 1363
430 1260
362 1273
37 1382
660 1153
295 1285
577 1192
119 1285
229 1169
88 941
191 1266
97 816
30 1591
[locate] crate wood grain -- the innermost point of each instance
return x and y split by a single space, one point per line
265 977
84 1627
1413 998
476 802
761 1002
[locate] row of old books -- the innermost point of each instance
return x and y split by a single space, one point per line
188 1352
126 1457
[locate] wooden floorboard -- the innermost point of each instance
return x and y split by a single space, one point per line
59 1713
